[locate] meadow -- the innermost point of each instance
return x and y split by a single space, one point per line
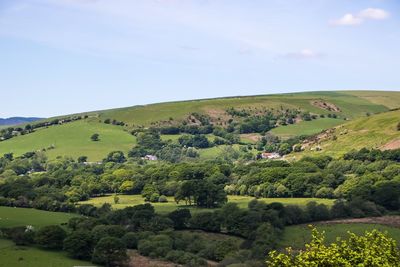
12 217
306 127
16 256
298 235
171 205
72 139
371 132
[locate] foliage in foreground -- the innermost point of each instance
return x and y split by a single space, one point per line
373 249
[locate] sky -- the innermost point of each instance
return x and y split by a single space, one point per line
66 56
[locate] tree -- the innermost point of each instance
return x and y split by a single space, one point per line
127 186
180 218
95 137
115 156
372 249
51 237
82 159
109 251
79 245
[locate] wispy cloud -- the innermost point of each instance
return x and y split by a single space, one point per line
359 18
303 54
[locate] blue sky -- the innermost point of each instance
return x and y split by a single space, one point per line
64 56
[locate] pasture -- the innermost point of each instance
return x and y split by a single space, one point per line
375 131
72 139
171 205
12 217
298 235
351 105
16 256
306 127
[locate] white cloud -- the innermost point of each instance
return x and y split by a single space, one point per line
374 13
304 54
346 20
357 19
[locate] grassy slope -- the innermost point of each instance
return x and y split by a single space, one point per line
296 236
351 106
11 255
11 217
388 99
306 127
242 201
72 139
372 132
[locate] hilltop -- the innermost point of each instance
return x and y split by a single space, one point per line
288 116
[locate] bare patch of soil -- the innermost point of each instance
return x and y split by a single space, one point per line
394 144
252 137
325 105
393 221
137 260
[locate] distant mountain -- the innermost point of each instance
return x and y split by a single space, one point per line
18 120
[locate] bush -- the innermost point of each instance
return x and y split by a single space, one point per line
50 237
109 251
156 246
162 199
372 249
79 245
130 240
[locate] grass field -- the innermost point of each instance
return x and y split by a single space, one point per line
298 235
15 256
11 217
306 127
72 139
371 132
242 201
351 106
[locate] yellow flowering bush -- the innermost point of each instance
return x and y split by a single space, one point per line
373 249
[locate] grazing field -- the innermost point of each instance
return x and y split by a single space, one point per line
242 201
15 256
298 235
306 127
376 131
11 217
72 139
388 99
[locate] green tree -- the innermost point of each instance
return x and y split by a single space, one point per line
95 137
373 249
50 237
109 251
79 245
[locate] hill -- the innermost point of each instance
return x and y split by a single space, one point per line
70 135
378 131
17 120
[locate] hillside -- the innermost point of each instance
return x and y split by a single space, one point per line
377 131
329 109
17 120
352 104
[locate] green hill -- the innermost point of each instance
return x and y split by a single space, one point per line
351 105
377 131
73 138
